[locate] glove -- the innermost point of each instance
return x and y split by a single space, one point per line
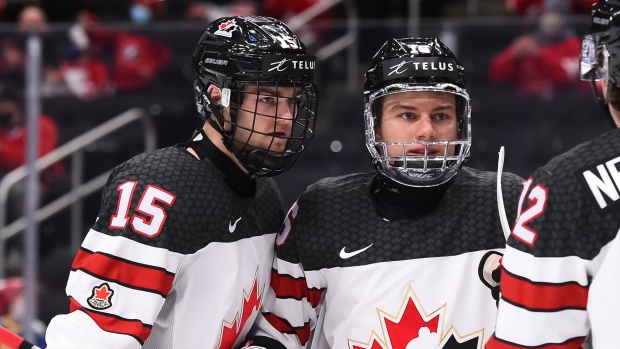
496 275
489 271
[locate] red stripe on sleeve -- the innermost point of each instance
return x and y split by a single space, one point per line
286 286
303 333
10 339
110 323
124 272
542 296
495 343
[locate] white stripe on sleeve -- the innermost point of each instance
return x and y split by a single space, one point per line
523 327
132 250
547 269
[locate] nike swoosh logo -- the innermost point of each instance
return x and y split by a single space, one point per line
344 254
231 226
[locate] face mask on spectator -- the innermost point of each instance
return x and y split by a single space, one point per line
140 14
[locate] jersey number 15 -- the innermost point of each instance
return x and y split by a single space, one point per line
152 217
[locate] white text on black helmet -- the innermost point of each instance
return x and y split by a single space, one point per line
288 65
420 66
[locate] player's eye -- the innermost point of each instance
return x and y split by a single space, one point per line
407 116
442 117
268 100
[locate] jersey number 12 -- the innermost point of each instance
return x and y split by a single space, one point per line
538 196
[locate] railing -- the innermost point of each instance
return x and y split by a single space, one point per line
79 190
346 41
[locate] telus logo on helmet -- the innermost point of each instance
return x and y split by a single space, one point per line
420 66
285 65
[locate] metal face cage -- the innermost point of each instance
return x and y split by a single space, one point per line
271 123
431 168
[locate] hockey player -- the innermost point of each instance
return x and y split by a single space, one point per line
181 252
560 281
400 257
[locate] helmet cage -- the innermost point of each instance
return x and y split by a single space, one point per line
600 51
423 170
244 128
594 59
256 53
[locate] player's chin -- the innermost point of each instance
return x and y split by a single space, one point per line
277 144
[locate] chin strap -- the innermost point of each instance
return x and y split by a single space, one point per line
500 197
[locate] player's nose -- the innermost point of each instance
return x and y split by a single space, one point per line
425 129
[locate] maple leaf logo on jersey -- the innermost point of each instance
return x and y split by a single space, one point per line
251 304
413 328
101 297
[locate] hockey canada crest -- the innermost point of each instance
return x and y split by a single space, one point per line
412 327
101 297
226 28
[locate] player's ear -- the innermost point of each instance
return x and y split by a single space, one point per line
215 94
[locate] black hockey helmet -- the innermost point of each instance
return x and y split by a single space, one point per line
416 65
256 59
600 51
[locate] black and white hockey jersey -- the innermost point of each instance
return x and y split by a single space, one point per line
560 276
176 259
381 284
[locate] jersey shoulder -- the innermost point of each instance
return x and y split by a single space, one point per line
157 198
477 184
587 170
332 190
485 179
341 183
572 205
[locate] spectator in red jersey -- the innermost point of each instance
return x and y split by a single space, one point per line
13 133
542 62
137 59
85 76
285 10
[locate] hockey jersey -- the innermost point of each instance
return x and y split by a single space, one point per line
560 271
366 282
176 259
